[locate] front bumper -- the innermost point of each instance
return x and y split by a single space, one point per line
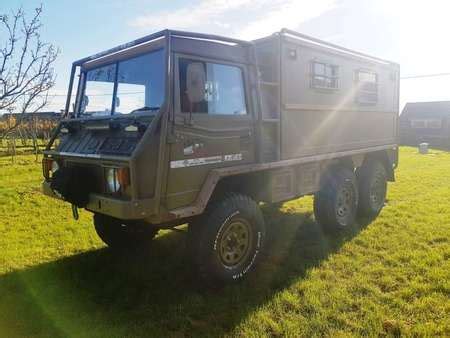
114 207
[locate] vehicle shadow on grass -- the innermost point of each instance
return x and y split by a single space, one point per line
156 293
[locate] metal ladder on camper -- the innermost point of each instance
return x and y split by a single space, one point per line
269 119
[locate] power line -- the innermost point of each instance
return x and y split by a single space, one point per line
74 95
424 76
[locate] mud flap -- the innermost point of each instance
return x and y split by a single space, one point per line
75 214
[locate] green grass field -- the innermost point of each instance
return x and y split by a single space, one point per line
390 277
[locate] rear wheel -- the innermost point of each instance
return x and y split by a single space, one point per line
372 182
226 241
120 234
336 203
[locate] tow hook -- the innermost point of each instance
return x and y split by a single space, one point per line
75 212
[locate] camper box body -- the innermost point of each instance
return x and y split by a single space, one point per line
313 101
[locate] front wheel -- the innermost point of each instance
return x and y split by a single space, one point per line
121 234
227 240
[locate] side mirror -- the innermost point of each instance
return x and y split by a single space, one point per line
195 82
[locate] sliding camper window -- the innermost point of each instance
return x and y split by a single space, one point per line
211 88
366 87
324 75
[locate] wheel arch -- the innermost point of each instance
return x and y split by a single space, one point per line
252 185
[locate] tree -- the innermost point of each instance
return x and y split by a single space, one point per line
26 72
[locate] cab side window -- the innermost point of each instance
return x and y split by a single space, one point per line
221 89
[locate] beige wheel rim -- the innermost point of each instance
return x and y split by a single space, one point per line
235 242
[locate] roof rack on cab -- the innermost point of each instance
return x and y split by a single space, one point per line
163 34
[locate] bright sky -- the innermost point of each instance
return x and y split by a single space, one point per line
410 32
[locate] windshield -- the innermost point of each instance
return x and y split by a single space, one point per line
132 85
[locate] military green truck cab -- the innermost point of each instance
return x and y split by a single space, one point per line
181 127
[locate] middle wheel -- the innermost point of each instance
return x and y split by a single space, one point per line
336 203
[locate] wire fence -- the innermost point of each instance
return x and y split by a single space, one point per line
25 137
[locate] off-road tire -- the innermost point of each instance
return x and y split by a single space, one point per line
119 234
210 239
335 204
372 183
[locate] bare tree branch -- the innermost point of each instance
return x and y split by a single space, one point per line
26 73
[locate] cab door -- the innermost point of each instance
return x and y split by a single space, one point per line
212 124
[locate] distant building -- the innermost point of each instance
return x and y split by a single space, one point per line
426 122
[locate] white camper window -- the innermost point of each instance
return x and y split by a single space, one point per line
324 75
366 87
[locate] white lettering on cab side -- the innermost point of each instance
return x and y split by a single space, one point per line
192 162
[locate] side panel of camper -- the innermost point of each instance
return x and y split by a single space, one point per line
324 100
334 101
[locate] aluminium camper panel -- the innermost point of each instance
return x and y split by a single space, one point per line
323 112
